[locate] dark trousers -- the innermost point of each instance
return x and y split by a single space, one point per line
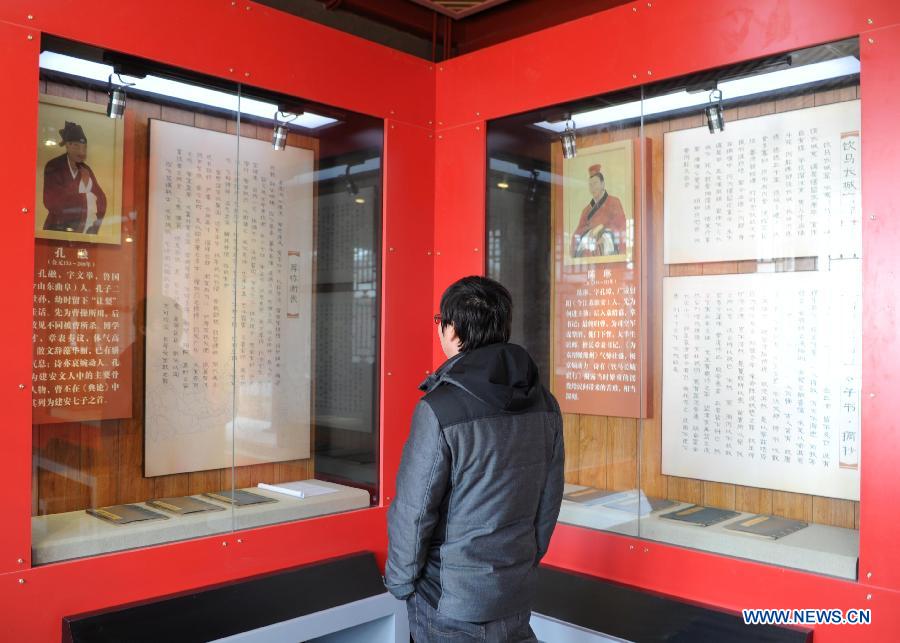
427 626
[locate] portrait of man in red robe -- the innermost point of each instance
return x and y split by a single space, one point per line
73 197
602 224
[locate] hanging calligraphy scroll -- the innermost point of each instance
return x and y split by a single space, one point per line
761 379
229 301
782 185
598 352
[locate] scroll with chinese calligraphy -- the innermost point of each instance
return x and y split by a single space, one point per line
229 301
761 379
781 185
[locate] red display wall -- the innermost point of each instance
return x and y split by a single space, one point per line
648 41
433 233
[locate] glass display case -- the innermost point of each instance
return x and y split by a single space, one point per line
689 257
206 297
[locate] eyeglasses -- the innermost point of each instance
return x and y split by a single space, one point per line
437 319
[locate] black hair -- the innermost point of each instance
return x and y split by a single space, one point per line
480 310
599 175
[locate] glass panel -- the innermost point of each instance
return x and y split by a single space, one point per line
133 290
193 281
307 309
756 288
564 235
744 438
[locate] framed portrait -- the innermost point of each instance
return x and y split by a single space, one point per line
79 172
598 201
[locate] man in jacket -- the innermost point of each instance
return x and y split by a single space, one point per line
480 481
73 197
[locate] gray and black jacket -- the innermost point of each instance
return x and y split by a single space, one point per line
479 487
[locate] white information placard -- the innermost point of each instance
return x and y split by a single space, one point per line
782 185
229 301
761 379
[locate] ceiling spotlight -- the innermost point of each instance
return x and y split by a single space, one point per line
115 107
352 190
503 183
568 141
715 116
359 200
280 133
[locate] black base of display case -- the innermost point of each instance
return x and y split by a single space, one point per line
636 615
237 607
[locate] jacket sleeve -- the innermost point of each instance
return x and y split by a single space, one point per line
551 498
422 481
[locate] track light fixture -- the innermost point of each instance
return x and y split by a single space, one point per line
279 134
715 115
352 190
570 150
115 107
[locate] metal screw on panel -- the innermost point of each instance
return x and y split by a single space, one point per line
634 9
247 74
869 575
21 561
21 581
392 111
440 136
438 253
630 547
391 249
389 373
247 7
871 395
872 217
475 250
440 69
231 70
30 17
649 5
30 37
440 122
646 550
649 73
21 387
388 498
868 20
431 136
392 127
478 128
25 211
634 76
430 122
871 41
477 113
868 597
224 544
240 540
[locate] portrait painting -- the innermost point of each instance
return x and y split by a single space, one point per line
598 201
79 172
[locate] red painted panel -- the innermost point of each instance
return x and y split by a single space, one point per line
459 197
617 48
407 281
16 264
880 493
249 43
32 611
728 583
